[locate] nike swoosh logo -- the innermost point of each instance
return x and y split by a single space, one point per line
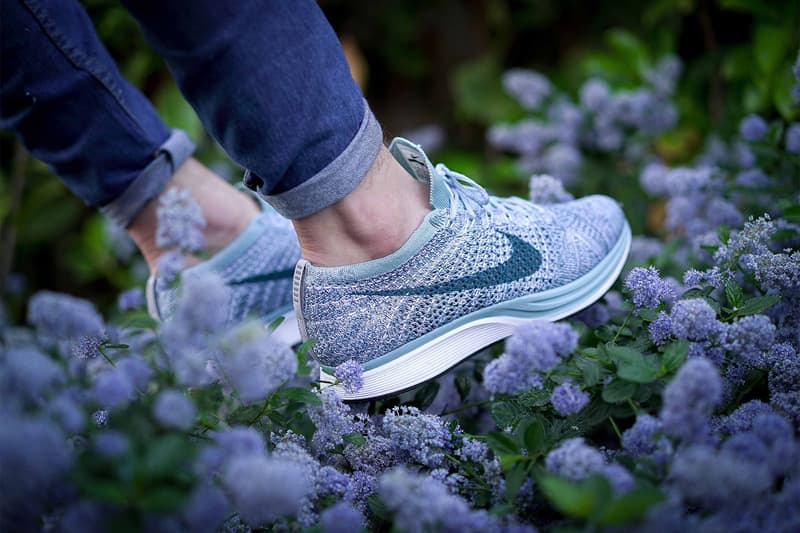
524 261
261 278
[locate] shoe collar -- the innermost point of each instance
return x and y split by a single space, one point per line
412 158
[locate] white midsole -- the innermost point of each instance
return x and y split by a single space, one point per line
438 355
287 331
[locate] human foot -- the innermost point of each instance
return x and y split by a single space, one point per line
226 211
251 248
475 268
257 269
371 222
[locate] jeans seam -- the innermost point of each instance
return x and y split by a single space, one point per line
80 60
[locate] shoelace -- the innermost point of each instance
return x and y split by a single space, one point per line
467 196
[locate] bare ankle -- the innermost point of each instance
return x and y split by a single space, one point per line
373 221
227 212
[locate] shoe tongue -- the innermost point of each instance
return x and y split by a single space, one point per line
414 160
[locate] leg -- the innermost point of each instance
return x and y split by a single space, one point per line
417 291
63 96
271 84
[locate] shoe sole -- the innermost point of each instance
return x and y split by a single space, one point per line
287 332
440 350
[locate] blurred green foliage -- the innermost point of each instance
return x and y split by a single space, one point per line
435 62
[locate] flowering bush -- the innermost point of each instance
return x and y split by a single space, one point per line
671 405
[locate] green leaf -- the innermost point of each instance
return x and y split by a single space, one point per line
502 443
165 456
675 354
632 365
534 437
162 499
770 45
618 390
244 414
116 346
302 350
479 94
647 314
426 394
515 477
734 294
104 490
508 413
300 394
724 234
630 49
591 370
647 372
624 355
756 7
378 508
792 214
463 386
575 499
272 326
630 506
757 304
355 438
139 320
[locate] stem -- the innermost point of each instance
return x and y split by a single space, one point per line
624 323
8 234
105 356
633 406
616 428
264 407
470 405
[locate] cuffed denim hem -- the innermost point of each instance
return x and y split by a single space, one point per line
152 180
336 180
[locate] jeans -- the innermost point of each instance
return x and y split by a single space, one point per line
267 78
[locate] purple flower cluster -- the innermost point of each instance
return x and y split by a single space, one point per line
252 363
118 386
180 221
546 189
420 503
312 462
602 120
536 346
647 288
576 460
173 409
645 439
568 399
753 128
784 380
422 437
694 319
263 489
349 374
527 86
749 338
690 398
62 317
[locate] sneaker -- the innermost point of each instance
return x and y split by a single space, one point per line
257 267
475 269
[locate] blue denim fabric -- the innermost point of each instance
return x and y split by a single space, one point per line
270 82
267 78
61 93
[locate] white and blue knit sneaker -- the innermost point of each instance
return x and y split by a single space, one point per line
477 267
257 267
